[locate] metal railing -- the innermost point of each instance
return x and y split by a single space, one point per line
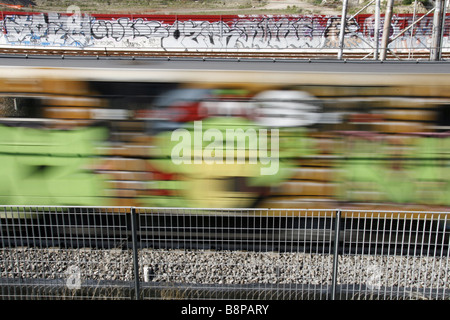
178 253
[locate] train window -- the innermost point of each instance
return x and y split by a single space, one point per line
19 107
443 118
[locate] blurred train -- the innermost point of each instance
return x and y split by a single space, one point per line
105 137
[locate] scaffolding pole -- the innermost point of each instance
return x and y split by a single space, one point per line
377 29
386 29
444 14
437 31
342 31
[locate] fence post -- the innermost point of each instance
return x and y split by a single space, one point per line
335 253
135 252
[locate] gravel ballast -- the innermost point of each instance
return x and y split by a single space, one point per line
225 267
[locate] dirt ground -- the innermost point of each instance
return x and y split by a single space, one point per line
213 7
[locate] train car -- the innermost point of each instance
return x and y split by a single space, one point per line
234 136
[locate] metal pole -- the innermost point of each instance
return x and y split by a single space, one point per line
386 29
3 24
342 31
221 28
377 29
335 254
135 252
436 39
444 14
412 30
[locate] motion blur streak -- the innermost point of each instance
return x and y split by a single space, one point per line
348 140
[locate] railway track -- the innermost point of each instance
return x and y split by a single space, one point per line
274 55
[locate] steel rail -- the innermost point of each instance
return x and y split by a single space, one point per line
111 52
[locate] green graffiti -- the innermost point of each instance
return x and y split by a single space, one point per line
431 173
218 182
415 173
286 150
49 167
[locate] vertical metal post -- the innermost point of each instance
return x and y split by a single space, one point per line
436 37
444 14
135 252
342 31
386 29
412 31
377 29
3 24
221 28
337 222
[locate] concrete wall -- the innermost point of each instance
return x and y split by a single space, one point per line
205 32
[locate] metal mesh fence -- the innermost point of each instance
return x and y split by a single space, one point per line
229 254
175 253
64 253
394 255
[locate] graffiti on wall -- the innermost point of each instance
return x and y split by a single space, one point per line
232 32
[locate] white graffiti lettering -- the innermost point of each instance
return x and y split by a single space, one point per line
258 32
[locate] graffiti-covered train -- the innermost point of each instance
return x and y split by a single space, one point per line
224 138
